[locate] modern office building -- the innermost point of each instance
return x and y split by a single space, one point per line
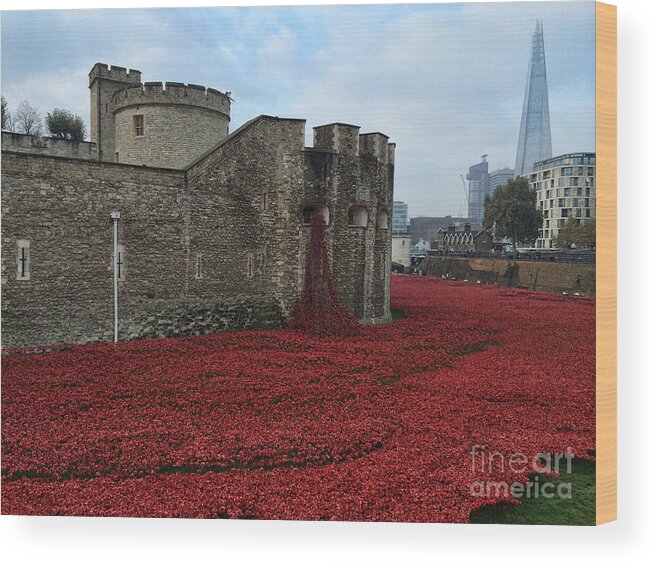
399 217
535 129
479 187
566 188
500 177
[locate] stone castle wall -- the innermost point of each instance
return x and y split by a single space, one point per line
218 246
240 198
62 207
37 145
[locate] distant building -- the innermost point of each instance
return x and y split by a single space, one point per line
461 239
566 188
401 247
479 188
426 226
535 129
399 217
421 247
500 177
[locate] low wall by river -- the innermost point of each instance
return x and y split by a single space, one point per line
543 276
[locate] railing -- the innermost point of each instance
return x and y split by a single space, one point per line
569 256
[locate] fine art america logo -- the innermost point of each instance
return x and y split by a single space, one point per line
495 464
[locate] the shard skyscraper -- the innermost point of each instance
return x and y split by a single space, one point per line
535 129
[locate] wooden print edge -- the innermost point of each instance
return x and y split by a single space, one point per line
606 335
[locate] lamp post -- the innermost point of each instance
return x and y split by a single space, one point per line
116 216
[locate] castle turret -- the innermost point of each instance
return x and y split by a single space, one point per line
153 124
104 81
168 125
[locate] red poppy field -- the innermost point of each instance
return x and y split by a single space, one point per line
282 425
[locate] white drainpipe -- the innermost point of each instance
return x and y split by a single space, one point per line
115 217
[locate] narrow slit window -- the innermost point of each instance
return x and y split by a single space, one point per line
138 125
23 260
250 266
120 263
199 266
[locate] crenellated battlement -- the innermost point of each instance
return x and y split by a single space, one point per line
375 145
338 137
346 139
172 93
112 72
391 153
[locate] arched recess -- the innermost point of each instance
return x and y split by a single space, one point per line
309 209
358 216
382 220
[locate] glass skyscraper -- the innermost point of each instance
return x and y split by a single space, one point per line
535 129
479 188
399 217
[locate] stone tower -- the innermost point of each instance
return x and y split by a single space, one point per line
104 81
154 124
535 129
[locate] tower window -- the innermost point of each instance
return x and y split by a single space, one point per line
23 260
199 266
138 125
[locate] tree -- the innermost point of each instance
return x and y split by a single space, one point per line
6 116
27 119
582 234
64 125
511 212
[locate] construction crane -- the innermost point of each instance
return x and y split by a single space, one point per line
464 189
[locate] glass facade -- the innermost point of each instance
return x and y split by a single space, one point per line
535 129
479 187
399 217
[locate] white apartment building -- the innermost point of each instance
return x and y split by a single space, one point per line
566 188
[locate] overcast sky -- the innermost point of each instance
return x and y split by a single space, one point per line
444 81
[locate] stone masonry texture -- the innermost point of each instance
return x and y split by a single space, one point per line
216 244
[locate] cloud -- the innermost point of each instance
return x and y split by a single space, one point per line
444 81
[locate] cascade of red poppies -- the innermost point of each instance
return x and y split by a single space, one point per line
318 310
